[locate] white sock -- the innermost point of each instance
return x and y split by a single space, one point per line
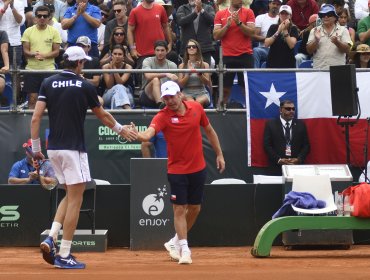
65 248
184 245
175 239
54 231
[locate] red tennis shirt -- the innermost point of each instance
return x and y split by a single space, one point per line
183 137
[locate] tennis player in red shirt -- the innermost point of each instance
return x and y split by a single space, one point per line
180 122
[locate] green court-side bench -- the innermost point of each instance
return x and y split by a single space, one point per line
268 233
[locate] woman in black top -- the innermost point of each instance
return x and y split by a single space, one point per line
281 38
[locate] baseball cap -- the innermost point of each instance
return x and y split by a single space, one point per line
84 40
327 9
169 88
313 18
285 8
76 53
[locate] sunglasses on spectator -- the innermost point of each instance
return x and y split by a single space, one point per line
104 15
42 16
119 34
289 108
118 11
328 15
192 47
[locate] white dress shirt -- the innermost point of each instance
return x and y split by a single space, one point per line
8 23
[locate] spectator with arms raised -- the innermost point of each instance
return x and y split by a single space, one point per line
196 22
83 19
328 43
281 38
235 27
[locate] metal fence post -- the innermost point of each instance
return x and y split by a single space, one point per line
221 69
15 79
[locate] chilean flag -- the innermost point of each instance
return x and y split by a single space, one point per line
311 94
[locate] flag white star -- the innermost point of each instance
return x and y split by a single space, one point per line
272 96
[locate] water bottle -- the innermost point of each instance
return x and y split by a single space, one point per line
339 203
346 206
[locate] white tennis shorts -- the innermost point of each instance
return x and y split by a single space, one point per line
70 167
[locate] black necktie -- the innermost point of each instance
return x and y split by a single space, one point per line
287 132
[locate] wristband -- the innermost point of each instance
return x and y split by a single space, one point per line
133 47
36 145
275 35
117 128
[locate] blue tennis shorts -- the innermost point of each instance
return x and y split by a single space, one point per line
187 188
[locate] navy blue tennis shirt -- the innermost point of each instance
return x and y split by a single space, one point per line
68 97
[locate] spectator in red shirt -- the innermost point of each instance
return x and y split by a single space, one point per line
180 122
147 24
235 27
301 11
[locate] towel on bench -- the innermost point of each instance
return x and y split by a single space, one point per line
298 199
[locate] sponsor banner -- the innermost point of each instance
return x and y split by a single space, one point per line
151 218
23 214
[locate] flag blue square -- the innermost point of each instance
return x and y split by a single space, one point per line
267 90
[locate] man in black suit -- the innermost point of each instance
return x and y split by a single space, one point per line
285 139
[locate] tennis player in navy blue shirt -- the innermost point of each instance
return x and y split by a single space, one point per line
67 97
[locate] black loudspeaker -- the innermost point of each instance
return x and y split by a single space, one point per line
344 99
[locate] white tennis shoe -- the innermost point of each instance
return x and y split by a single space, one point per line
172 250
185 258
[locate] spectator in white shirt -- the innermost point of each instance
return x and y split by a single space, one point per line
361 9
11 19
263 23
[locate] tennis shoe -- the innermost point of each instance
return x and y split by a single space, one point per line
68 263
49 250
173 251
185 258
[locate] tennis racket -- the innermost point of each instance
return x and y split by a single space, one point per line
47 183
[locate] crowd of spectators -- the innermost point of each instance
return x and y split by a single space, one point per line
122 34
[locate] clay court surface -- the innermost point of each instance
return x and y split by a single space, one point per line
209 263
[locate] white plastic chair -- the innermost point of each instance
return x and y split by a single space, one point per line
320 187
226 181
264 179
101 182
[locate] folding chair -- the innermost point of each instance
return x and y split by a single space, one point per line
320 187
